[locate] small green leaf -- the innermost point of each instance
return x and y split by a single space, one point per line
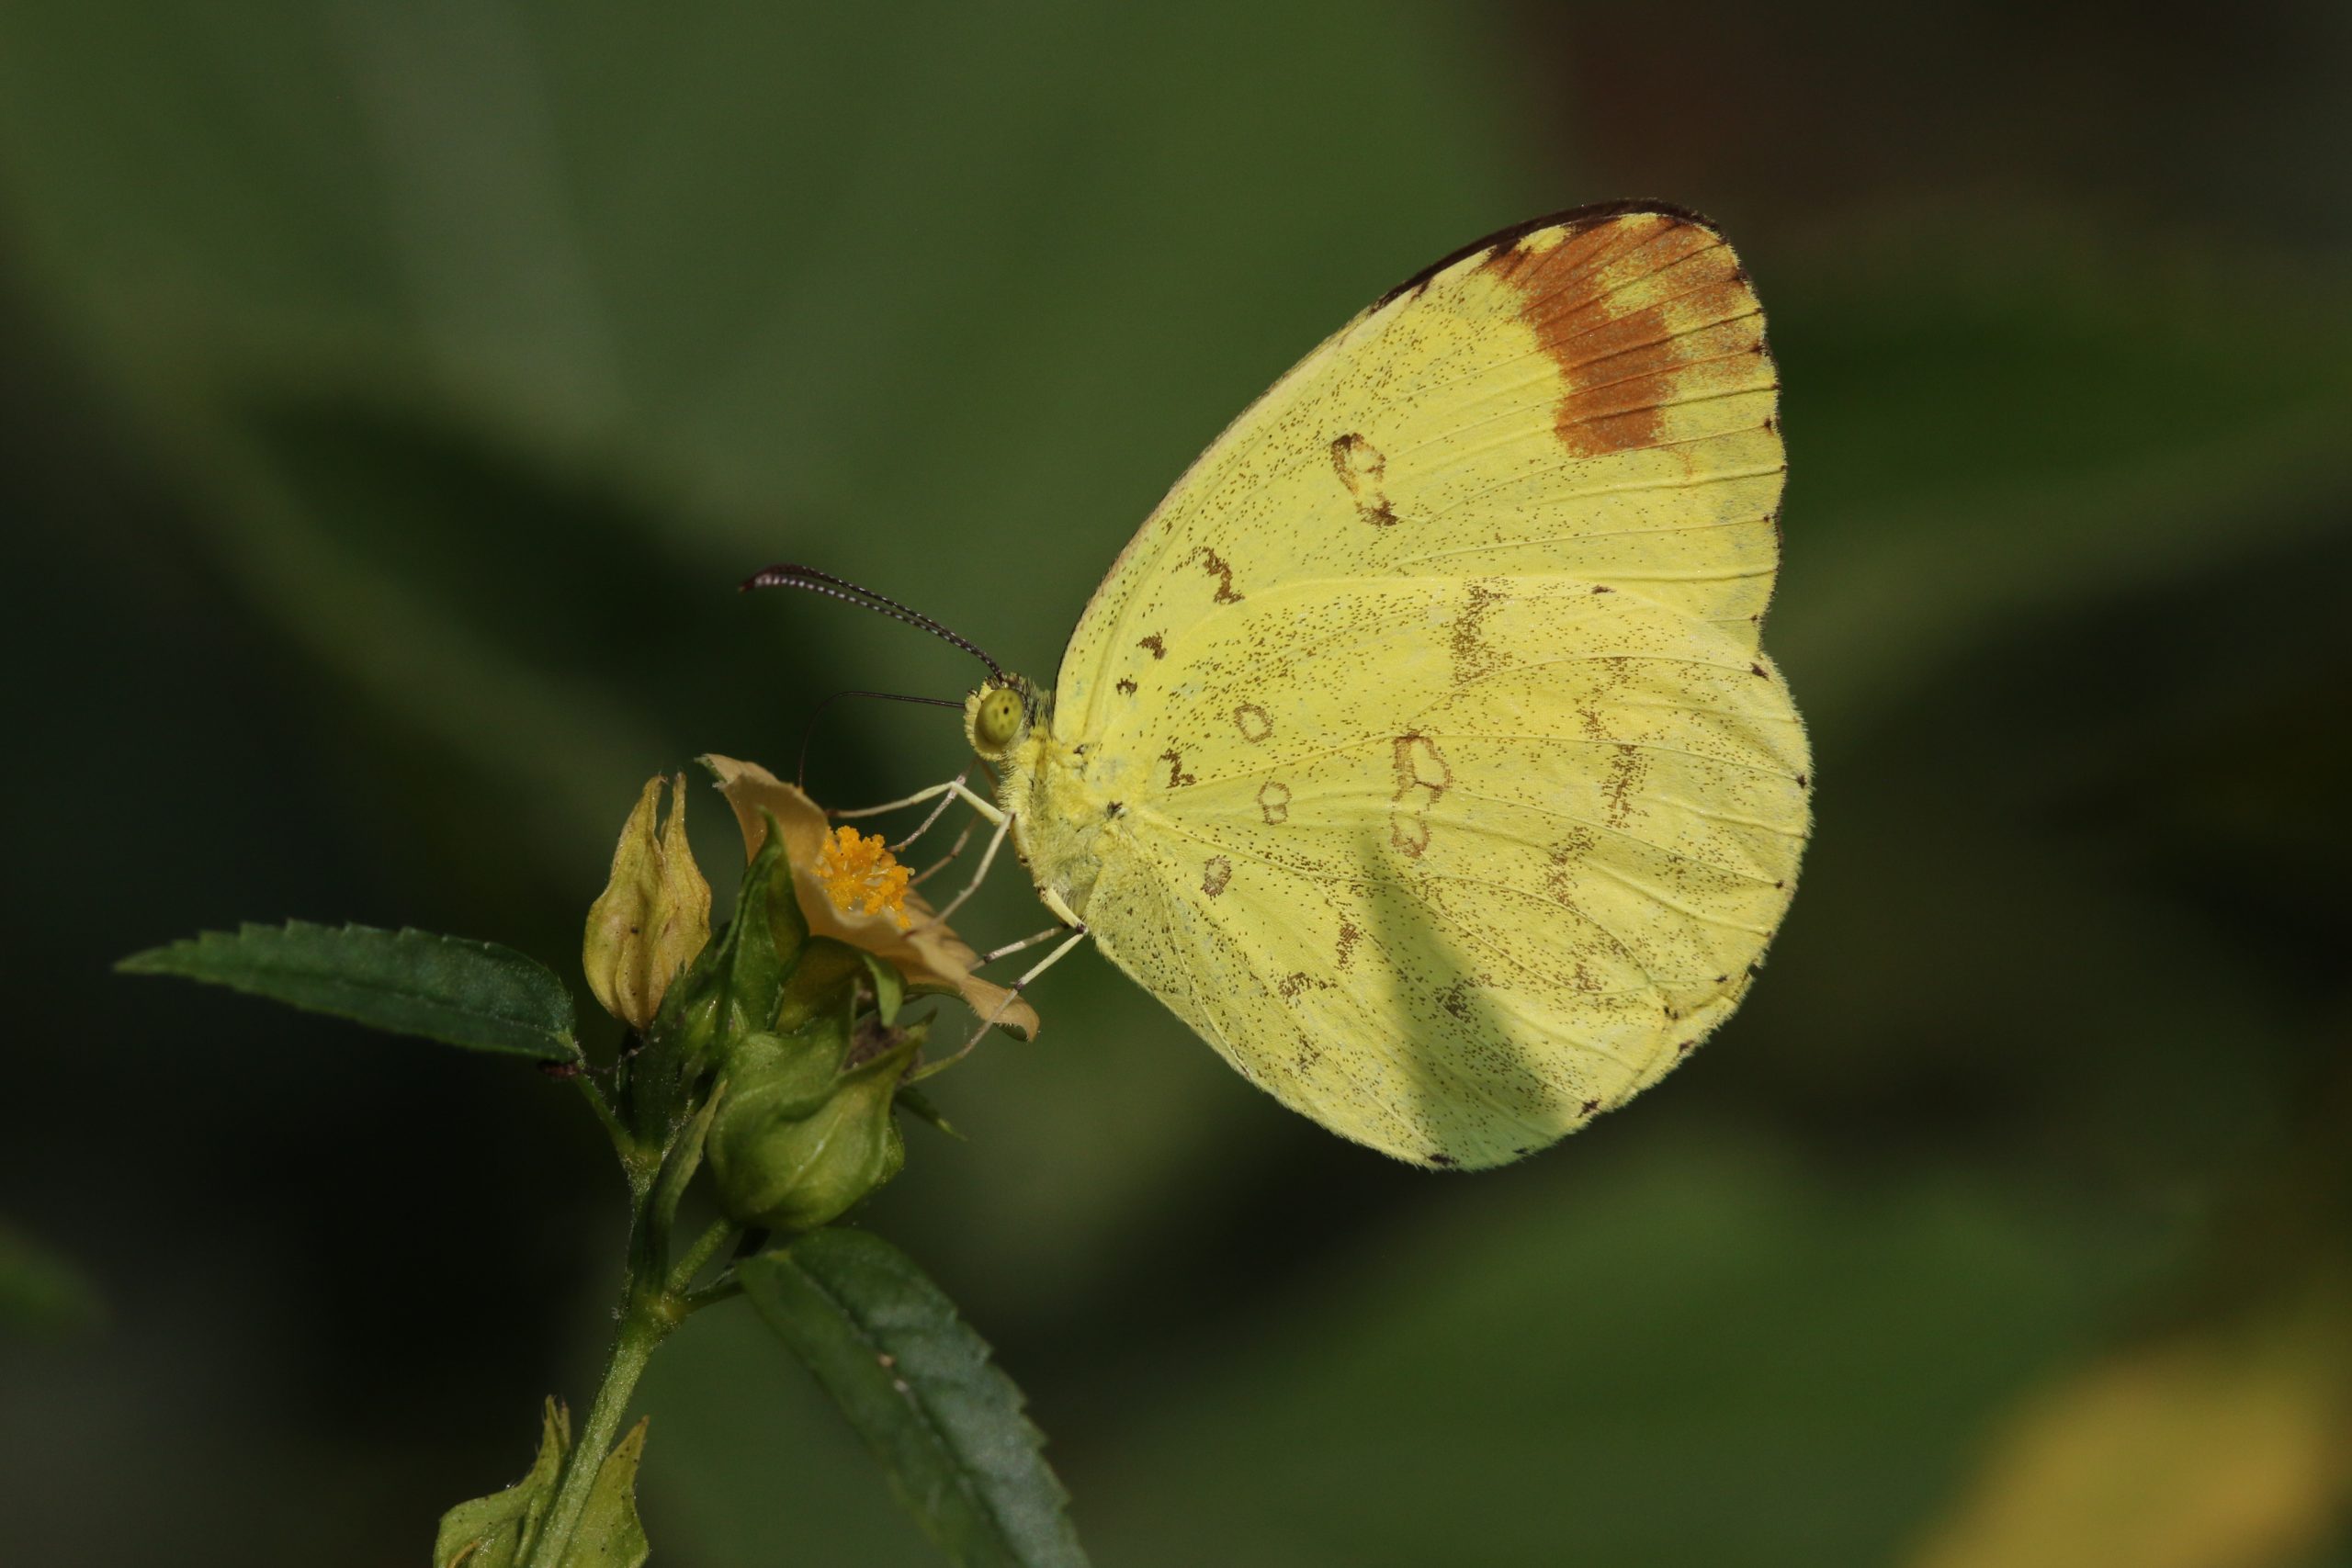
475 994
919 1386
608 1534
491 1532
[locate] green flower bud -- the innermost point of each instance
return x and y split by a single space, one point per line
655 914
798 1139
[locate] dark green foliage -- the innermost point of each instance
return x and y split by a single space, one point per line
475 994
925 1394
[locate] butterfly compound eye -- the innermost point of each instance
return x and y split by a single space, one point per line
997 722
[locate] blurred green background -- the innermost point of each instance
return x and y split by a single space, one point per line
392 394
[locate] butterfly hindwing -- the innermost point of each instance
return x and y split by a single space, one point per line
1456 909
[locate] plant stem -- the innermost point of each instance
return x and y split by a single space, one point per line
623 1143
650 1308
647 1317
722 1234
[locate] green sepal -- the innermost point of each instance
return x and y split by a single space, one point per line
922 1391
823 981
494 1532
792 1149
732 991
783 1074
917 1104
474 994
889 988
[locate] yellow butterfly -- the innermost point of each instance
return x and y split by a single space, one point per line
1417 750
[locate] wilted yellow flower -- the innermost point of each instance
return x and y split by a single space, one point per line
655 914
903 932
861 875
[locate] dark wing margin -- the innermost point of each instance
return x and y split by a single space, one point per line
1573 218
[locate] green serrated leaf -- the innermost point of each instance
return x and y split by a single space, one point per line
474 994
492 1531
608 1534
921 1388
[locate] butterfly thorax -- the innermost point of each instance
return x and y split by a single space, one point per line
1061 798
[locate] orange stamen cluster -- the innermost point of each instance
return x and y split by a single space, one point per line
862 877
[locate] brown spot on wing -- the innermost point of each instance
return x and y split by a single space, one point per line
1177 777
1253 722
1455 998
1273 802
1559 879
1127 687
1364 472
1215 873
1627 768
1159 649
1215 566
1472 657
1423 775
1348 937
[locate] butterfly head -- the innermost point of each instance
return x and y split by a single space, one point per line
1000 715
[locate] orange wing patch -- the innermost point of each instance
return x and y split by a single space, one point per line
1642 314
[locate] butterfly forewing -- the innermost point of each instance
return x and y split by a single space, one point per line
1590 398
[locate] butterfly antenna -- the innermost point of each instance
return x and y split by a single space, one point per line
787 575
800 772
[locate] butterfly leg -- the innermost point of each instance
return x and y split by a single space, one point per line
946 799
943 862
954 787
1075 935
987 859
1010 948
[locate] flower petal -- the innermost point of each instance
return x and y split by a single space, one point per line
927 952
